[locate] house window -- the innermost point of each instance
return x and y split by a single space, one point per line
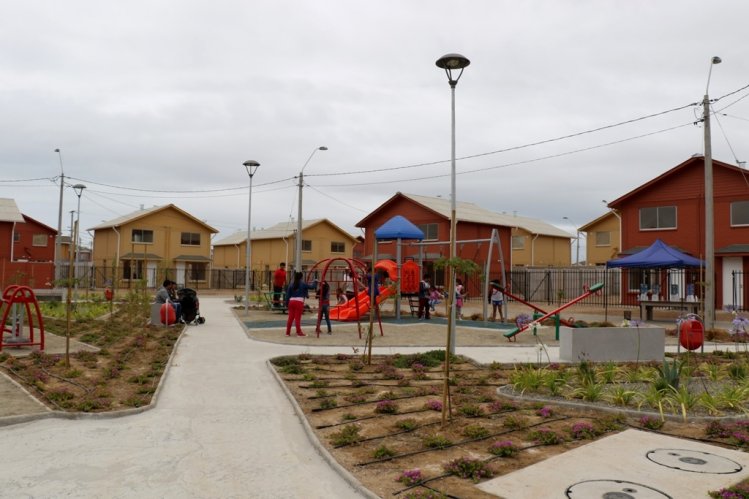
603 238
39 240
518 242
660 217
142 236
190 238
739 213
336 247
197 271
306 245
16 237
132 269
430 231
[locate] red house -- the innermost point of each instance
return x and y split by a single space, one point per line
671 207
474 228
27 248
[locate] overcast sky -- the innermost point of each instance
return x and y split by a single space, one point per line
161 101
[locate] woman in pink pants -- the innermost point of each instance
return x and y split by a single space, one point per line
295 295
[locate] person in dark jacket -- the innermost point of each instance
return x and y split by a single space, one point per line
424 287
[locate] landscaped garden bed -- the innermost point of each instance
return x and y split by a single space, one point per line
383 421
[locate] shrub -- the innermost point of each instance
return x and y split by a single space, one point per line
328 403
355 398
545 412
651 423
292 369
740 491
471 410
348 435
582 430
386 407
503 448
433 405
348 417
514 422
382 452
545 436
502 406
410 477
409 424
466 467
424 494
436 442
475 431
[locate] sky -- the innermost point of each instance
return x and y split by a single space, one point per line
162 101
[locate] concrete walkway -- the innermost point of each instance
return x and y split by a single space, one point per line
222 427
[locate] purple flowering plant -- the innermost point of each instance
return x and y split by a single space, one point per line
545 412
410 477
503 448
433 405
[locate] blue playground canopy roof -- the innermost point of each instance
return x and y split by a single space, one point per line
399 227
657 255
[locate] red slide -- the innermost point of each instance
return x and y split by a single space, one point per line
349 312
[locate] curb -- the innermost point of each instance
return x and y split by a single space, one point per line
319 447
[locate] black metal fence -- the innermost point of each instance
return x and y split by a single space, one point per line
548 286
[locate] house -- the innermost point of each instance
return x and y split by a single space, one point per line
320 239
524 241
27 248
153 244
671 207
603 236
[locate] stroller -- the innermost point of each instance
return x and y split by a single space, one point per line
190 305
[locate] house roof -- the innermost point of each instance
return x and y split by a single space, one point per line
9 211
136 215
469 212
279 231
598 220
697 158
28 219
733 248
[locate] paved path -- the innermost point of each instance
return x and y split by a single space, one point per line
222 428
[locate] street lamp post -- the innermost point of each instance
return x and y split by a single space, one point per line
709 220
58 239
251 167
298 256
450 63
78 188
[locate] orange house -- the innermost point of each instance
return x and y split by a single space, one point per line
672 207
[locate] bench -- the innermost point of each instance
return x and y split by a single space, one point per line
648 306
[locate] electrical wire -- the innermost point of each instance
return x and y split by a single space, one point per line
336 199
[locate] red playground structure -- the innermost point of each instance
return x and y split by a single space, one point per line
17 317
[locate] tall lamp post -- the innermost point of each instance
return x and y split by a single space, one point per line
251 167
58 239
298 256
78 188
450 63
709 220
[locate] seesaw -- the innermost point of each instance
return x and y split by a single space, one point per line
511 334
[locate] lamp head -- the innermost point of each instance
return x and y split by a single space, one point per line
78 188
251 166
323 148
57 150
450 62
716 60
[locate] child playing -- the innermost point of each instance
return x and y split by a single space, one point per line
435 297
497 298
459 293
340 297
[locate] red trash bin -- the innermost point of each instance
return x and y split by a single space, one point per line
691 334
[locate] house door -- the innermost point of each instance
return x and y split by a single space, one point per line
151 274
180 274
732 296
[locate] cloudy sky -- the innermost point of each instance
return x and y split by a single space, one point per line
161 101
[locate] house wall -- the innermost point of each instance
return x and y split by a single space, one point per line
541 251
599 255
6 240
33 274
24 248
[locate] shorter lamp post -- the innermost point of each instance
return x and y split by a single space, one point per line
251 167
78 188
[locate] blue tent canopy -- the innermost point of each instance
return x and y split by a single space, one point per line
399 227
657 255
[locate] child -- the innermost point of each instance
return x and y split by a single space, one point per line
497 298
435 297
324 307
340 297
458 299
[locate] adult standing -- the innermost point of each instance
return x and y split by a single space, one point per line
424 287
297 291
279 282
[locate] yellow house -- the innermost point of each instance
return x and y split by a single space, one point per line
603 236
538 244
153 244
320 239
